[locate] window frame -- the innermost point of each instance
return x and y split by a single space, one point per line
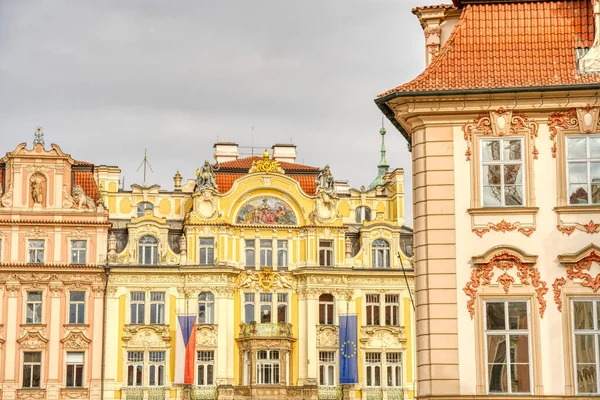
75 253
140 212
595 332
376 246
325 260
588 161
138 303
207 259
75 365
206 363
160 311
32 365
154 256
156 368
327 363
34 321
135 363
250 247
265 253
210 305
328 308
371 371
78 304
268 361
282 254
36 250
362 214
259 300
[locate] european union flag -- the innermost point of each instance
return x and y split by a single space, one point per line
348 349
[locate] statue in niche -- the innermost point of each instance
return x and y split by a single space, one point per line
205 178
325 182
37 192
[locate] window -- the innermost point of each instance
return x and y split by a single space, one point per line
207 251
282 299
326 309
393 363
326 253
372 309
282 254
206 368
583 169
75 370
249 307
392 309
148 250
206 308
32 369
362 214
78 251
157 308
33 308
142 207
267 367
266 300
586 329
373 369
137 307
249 253
380 254
327 368
502 172
76 307
266 253
135 368
36 251
156 370
507 346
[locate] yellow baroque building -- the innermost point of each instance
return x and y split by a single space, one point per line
267 254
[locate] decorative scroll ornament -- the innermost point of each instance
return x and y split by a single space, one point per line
591 227
578 272
504 227
582 120
32 340
265 280
76 340
266 165
504 262
501 123
206 178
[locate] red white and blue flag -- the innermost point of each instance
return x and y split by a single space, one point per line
185 346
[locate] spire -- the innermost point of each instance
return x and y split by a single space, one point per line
383 166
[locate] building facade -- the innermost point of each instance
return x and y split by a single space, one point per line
504 130
267 254
53 233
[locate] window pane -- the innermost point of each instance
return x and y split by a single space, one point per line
517 315
495 316
595 171
578 173
496 345
513 174
497 376
75 357
490 150
209 375
492 196
249 313
582 313
586 378
512 150
513 195
584 349
576 148
519 349
594 143
578 194
491 175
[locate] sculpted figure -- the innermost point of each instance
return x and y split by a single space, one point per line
36 191
206 178
325 181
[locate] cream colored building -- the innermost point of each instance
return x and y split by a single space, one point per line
504 130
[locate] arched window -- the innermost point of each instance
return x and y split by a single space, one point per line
326 309
148 250
206 308
142 207
380 254
362 214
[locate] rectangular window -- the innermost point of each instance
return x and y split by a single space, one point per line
78 251
75 363
76 307
282 254
156 368
157 308
137 307
393 363
267 367
207 251
206 308
507 346
33 308
392 309
502 172
266 304
372 309
249 253
36 251
373 369
326 304
327 368
586 331
583 169
326 253
135 368
266 253
282 301
206 368
32 369
249 307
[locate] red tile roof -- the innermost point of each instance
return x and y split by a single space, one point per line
307 182
513 44
86 180
246 164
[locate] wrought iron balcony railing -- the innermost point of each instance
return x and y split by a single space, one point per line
276 329
330 393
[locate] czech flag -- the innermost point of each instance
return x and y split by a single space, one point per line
185 349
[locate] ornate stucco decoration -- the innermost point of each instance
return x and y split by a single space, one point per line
327 336
79 233
266 165
206 336
206 178
497 267
36 233
32 339
75 339
590 227
80 198
147 225
206 205
74 393
265 280
501 123
504 227
579 266
31 394
146 336
575 120
6 198
68 201
383 336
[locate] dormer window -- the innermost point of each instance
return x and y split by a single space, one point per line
142 207
381 254
362 214
148 250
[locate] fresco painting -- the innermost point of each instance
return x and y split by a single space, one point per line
266 211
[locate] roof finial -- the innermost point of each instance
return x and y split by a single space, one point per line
383 165
38 136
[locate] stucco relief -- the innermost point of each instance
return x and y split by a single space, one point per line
75 340
6 198
578 272
266 280
383 336
74 393
32 339
206 205
575 120
504 227
146 336
327 336
31 394
206 336
36 233
590 227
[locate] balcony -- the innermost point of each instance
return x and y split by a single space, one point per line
383 393
203 393
138 393
330 393
275 329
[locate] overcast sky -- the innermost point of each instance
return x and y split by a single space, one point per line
106 79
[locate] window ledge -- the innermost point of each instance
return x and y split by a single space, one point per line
33 326
68 325
583 209
503 210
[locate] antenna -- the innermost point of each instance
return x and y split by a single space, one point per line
252 142
145 163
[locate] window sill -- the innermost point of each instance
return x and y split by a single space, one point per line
574 209
70 325
503 210
26 325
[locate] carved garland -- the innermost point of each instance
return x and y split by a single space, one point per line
578 271
526 272
503 227
590 227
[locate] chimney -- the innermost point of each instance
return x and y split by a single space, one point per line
437 23
226 151
284 152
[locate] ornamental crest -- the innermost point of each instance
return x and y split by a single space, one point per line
265 280
32 340
75 340
266 165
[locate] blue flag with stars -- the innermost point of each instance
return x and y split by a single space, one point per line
348 349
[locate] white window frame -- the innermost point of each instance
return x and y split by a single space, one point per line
266 253
32 365
360 214
75 365
397 379
206 251
327 305
209 308
327 362
142 207
371 311
282 254
78 255
595 332
507 333
380 254
37 316
137 302
154 251
588 161
259 299
36 251
268 363
371 369
157 368
79 308
328 253
205 360
502 163
250 246
159 305
388 301
135 364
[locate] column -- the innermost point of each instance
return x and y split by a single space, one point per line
223 339
312 313
283 367
302 339
95 366
229 336
10 344
54 324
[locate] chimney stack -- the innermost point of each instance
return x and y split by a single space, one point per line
226 151
284 152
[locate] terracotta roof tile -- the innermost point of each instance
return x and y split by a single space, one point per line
508 45
86 180
246 164
225 181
